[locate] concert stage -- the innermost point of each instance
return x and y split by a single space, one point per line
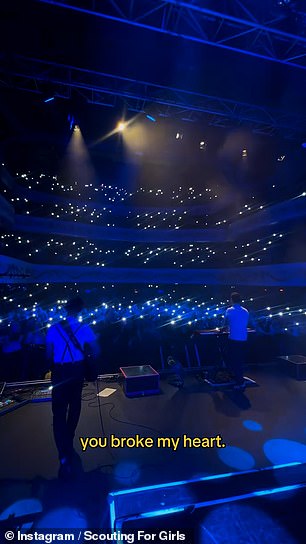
262 427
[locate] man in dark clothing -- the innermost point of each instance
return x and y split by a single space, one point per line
66 342
236 321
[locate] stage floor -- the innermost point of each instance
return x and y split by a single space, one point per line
262 426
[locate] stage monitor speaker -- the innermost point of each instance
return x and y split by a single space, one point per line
140 380
296 365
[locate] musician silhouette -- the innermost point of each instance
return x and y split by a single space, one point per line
236 322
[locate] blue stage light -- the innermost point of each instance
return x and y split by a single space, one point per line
151 118
23 507
49 99
277 490
241 523
236 458
66 518
71 121
127 473
165 512
252 425
280 450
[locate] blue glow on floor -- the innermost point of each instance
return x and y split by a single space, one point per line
233 523
252 425
236 458
127 473
63 518
22 507
281 450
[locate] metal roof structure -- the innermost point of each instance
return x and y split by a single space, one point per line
28 74
271 34
254 28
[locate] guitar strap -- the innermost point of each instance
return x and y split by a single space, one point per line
71 335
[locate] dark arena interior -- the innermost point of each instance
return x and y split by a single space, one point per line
153 162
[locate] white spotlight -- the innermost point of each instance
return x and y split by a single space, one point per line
121 126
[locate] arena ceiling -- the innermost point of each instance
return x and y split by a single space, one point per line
193 67
242 64
234 75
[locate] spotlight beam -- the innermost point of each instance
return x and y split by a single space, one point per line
170 100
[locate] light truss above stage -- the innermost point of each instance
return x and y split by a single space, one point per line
267 30
30 74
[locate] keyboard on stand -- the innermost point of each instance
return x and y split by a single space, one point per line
221 376
42 395
17 394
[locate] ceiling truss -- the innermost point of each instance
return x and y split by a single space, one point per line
41 76
266 30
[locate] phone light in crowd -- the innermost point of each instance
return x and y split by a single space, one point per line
179 136
244 153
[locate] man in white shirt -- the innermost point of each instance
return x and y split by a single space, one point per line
66 342
236 321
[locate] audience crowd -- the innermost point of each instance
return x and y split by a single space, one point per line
126 331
